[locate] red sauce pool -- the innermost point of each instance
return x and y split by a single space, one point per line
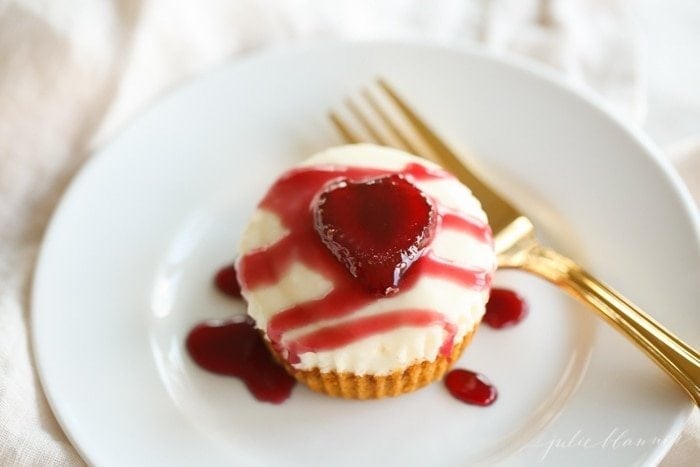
236 348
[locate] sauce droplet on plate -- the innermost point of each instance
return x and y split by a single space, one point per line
470 387
226 282
505 308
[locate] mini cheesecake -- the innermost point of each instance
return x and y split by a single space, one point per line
367 270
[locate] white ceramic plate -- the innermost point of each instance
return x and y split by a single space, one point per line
126 266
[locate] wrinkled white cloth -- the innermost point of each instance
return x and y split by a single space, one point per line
71 73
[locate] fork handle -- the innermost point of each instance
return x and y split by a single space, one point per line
677 358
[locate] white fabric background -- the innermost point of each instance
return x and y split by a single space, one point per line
73 72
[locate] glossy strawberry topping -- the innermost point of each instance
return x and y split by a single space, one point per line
376 228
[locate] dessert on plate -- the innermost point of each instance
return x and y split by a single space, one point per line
367 270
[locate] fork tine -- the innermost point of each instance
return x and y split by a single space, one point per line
348 135
364 121
387 120
426 133
500 211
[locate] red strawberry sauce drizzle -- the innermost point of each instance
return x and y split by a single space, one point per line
236 348
341 334
291 198
474 227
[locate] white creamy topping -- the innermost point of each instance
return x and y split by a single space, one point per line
397 349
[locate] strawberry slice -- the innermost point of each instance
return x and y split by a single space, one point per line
376 228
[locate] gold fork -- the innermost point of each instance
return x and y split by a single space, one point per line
514 234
